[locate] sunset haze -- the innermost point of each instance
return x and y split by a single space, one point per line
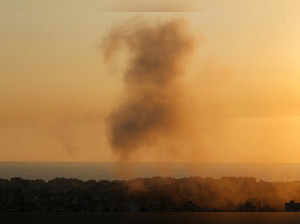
237 97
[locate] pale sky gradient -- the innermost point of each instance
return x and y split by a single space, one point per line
55 91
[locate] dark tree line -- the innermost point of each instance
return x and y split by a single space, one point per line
145 194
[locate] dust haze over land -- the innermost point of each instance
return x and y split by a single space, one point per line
151 110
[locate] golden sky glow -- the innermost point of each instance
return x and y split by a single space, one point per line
55 90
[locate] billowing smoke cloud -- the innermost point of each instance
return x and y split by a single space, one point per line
157 56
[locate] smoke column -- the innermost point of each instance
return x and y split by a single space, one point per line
156 63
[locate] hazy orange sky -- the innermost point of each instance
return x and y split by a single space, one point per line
56 91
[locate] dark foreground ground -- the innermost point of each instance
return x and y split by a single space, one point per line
157 218
157 194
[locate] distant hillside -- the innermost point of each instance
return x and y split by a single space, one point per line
146 194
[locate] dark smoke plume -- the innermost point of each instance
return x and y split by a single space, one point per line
156 62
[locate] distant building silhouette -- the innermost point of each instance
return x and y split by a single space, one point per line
292 206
